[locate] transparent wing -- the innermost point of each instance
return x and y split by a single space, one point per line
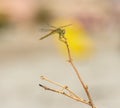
51 26
65 25
46 29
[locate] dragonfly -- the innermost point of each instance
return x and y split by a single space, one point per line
57 30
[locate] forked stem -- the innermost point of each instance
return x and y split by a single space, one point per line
69 92
85 87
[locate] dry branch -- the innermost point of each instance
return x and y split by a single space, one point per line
65 90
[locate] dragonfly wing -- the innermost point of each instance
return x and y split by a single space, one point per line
44 30
47 35
51 26
65 25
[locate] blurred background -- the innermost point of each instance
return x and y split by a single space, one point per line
94 40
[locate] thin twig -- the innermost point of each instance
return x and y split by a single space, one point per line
64 93
64 40
63 88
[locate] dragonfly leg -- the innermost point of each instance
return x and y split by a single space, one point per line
62 38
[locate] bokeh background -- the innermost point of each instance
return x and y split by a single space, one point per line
94 39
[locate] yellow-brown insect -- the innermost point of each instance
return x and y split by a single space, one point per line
60 31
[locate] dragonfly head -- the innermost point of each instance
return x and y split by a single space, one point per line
60 31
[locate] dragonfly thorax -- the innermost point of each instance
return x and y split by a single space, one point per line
61 32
